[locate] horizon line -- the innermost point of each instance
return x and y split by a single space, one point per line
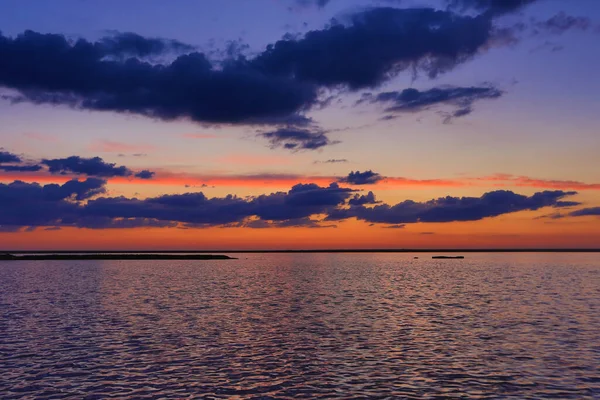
400 250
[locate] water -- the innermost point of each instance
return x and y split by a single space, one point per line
303 325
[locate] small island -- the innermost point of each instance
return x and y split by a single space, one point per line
111 256
447 257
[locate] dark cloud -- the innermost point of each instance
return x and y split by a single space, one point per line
195 209
20 168
7 157
376 44
12 159
561 22
30 204
303 200
145 174
89 166
298 138
131 44
94 166
398 226
413 100
490 7
359 200
274 88
48 68
77 204
584 212
362 178
448 209
309 3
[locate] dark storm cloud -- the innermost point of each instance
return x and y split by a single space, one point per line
362 178
375 45
413 100
449 209
7 157
132 44
297 138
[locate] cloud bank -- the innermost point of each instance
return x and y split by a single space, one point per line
82 204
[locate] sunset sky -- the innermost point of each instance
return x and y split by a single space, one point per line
299 124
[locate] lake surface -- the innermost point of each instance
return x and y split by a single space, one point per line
303 325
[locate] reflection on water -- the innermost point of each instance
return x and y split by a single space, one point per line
303 325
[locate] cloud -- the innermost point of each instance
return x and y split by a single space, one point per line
131 44
48 68
561 22
277 85
490 7
11 159
80 204
449 209
94 166
585 212
309 3
362 178
145 174
359 200
332 161
413 100
20 168
297 138
30 204
7 157
376 44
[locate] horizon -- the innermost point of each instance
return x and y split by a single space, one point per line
294 125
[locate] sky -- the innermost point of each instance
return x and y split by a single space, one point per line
299 124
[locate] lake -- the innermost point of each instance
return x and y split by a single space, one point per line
497 325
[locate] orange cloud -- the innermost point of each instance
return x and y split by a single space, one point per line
525 181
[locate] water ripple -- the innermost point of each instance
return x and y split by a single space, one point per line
302 326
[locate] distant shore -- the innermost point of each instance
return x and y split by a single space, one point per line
111 256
